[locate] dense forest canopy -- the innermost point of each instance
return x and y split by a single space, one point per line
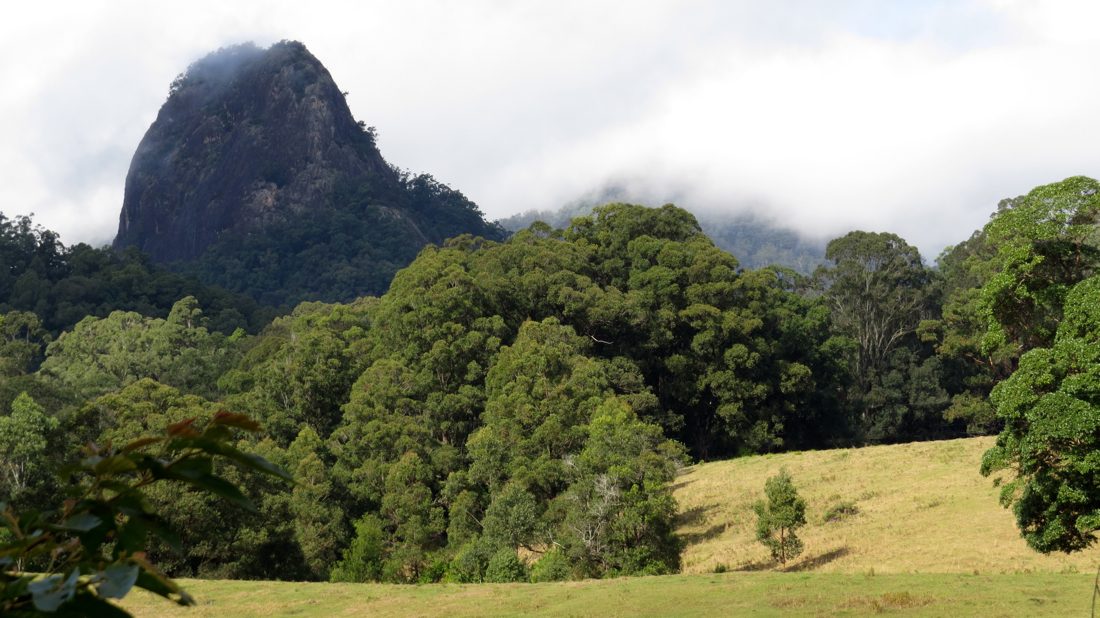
517 410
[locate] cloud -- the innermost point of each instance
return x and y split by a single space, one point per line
913 117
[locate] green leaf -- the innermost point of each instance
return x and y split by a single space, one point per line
131 537
139 444
81 522
155 524
87 605
193 466
64 472
27 519
147 580
257 463
118 579
154 584
114 465
220 487
115 486
219 433
132 502
249 460
48 594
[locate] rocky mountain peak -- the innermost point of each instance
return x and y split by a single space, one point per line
248 136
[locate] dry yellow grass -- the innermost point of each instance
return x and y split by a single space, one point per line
923 508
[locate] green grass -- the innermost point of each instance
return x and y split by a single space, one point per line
727 594
905 530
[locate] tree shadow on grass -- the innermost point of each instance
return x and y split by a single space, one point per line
758 565
810 564
681 475
697 516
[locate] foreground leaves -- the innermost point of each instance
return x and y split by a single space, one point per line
68 562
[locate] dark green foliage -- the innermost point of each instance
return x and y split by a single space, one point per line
533 397
879 290
63 285
1005 287
779 517
25 438
372 227
362 560
301 371
505 567
1043 303
1052 420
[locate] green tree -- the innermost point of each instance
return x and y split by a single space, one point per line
618 510
1046 243
23 444
779 518
1004 288
878 292
1051 410
21 346
362 561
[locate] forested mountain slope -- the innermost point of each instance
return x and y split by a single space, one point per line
256 177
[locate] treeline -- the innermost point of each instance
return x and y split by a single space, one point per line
517 410
63 285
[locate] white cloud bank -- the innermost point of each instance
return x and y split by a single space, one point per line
910 117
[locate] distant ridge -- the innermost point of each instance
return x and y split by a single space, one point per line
755 241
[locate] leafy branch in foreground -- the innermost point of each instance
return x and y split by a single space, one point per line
69 562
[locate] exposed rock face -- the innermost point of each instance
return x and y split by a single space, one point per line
247 137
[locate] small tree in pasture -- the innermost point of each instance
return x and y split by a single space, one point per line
779 517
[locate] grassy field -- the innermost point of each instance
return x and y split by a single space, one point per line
928 539
923 508
728 594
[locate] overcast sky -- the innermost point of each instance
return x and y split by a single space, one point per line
911 117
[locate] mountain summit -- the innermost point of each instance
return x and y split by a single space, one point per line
256 152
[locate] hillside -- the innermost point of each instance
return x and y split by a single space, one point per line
255 176
929 540
922 506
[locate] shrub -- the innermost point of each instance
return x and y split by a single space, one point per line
840 511
552 567
469 565
505 567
